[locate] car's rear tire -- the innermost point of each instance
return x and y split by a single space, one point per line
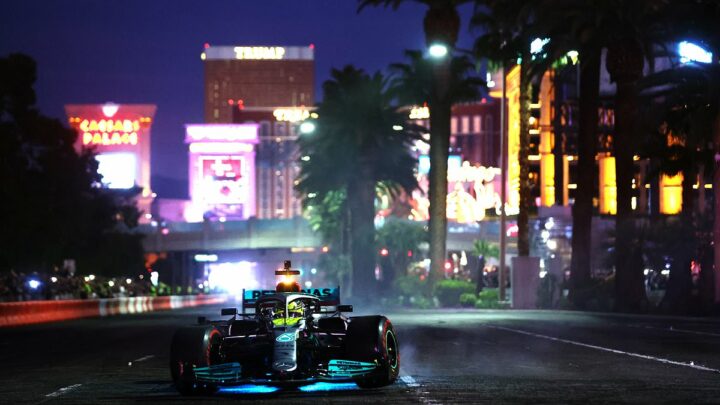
193 347
372 339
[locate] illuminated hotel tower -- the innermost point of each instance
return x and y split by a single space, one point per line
272 86
256 76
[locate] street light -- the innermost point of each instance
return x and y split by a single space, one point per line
438 51
307 127
690 52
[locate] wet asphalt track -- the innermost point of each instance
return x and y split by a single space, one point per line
451 356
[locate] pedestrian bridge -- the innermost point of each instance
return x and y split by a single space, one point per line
275 234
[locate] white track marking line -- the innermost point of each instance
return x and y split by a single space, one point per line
606 349
63 391
409 381
671 329
148 357
423 396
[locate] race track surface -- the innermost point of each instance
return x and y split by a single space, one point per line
447 356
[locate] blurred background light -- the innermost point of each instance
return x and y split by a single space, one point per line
117 169
232 277
438 50
690 52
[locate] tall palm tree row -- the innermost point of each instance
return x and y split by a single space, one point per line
624 28
630 31
356 144
441 25
683 104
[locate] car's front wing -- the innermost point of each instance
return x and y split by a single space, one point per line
336 371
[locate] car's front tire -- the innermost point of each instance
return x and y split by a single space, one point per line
372 339
193 347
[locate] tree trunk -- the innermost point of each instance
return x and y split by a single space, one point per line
582 210
479 282
439 151
441 24
688 193
679 286
625 64
523 241
361 201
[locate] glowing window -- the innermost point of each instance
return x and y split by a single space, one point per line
117 169
465 125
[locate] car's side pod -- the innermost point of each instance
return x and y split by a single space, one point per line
344 308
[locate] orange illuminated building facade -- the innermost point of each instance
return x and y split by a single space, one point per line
119 134
553 150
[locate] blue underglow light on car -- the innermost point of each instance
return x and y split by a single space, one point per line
327 386
249 389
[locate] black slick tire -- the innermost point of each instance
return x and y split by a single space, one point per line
372 339
193 347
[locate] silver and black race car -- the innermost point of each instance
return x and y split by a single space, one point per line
285 336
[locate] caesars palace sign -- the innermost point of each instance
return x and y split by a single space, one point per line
109 132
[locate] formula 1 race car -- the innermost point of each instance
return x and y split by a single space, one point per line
289 337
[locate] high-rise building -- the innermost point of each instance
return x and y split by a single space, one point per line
256 76
277 164
269 86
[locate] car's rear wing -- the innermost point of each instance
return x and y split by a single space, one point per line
329 297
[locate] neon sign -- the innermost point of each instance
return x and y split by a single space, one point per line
513 141
473 192
222 132
109 132
223 180
259 52
419 113
291 114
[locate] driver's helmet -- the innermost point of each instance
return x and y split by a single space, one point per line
295 309
295 314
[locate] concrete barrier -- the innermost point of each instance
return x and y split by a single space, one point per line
30 312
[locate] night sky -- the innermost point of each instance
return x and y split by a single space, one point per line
148 51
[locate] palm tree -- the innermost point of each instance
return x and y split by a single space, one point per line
627 29
630 30
401 238
484 250
509 27
413 84
688 104
441 25
572 26
356 144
